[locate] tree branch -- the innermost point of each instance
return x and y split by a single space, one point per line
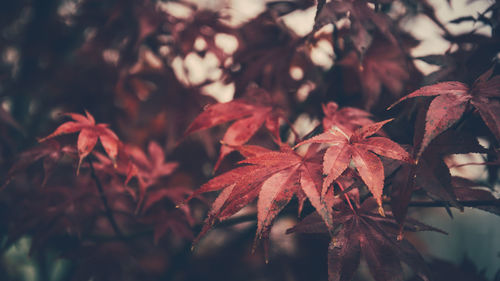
253 216
465 203
104 200
417 204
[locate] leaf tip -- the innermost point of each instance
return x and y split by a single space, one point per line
381 211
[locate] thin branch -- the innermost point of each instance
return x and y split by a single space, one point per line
306 136
253 217
417 204
294 132
346 196
465 203
109 212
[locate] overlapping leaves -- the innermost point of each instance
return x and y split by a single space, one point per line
273 177
363 19
360 147
452 100
345 118
249 114
363 232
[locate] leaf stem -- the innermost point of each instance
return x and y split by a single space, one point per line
346 197
294 132
104 200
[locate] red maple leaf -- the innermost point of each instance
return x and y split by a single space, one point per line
383 64
467 190
347 118
50 151
159 210
266 55
273 177
90 132
431 173
362 18
250 114
451 101
148 169
361 149
375 237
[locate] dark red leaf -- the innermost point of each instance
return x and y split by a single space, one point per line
467 190
366 233
383 65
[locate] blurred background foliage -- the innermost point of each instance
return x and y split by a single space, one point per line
149 67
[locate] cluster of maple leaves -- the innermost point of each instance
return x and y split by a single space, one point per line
116 206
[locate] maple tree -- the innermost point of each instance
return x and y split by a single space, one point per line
333 155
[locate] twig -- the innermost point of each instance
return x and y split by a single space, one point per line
109 213
346 196
421 204
465 203
253 217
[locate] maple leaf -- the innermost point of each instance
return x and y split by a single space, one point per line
158 210
347 118
452 100
361 148
383 64
90 132
268 52
250 114
148 169
50 151
273 177
431 173
467 190
375 237
362 18
164 220
71 206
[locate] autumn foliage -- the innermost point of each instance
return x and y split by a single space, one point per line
123 159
